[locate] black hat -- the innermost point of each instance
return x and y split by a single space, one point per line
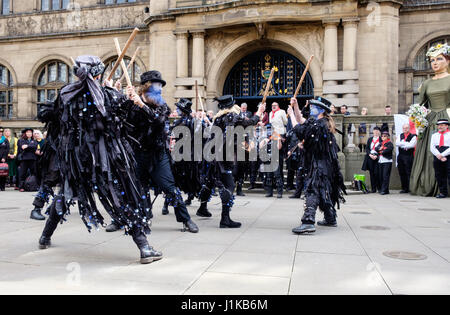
377 128
26 129
225 101
442 121
321 105
323 100
152 76
184 105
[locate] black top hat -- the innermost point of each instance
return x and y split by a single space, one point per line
377 128
442 121
225 101
152 76
323 100
321 105
184 105
26 129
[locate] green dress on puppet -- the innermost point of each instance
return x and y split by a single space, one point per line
435 93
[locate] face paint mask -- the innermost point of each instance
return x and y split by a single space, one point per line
316 111
153 94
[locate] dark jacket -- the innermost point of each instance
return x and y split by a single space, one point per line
4 150
368 162
30 152
387 152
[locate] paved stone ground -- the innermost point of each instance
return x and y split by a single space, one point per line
263 257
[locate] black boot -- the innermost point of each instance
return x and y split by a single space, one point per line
165 209
203 211
239 190
326 223
112 228
36 214
226 221
44 242
304 229
295 196
280 193
188 201
269 192
149 255
190 226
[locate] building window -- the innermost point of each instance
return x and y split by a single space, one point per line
118 1
52 5
6 93
422 67
134 73
52 77
5 7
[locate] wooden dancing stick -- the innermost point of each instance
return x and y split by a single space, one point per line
73 61
121 55
269 83
130 64
303 76
196 96
122 63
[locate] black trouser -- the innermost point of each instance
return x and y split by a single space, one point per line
254 169
442 171
273 178
405 163
25 166
300 182
161 175
384 173
225 184
313 201
239 172
372 166
50 180
3 183
290 179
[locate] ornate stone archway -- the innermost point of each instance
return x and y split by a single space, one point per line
224 60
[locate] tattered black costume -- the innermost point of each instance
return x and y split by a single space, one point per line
151 127
186 173
86 124
324 181
220 173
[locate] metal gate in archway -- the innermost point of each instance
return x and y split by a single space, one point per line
248 79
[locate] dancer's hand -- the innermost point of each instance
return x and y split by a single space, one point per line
118 85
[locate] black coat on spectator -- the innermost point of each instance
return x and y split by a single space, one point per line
4 150
29 153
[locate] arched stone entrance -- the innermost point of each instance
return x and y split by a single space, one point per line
223 60
248 79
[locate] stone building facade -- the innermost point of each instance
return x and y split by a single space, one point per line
366 53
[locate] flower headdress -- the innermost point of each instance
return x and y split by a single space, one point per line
439 49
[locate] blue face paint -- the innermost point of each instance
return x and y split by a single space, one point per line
316 111
153 94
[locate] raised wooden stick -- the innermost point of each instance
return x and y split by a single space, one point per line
303 76
130 64
124 51
73 61
196 96
269 83
122 63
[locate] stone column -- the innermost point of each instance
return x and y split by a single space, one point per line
198 54
182 57
349 53
330 62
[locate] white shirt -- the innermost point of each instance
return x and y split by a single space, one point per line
279 121
405 145
435 141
